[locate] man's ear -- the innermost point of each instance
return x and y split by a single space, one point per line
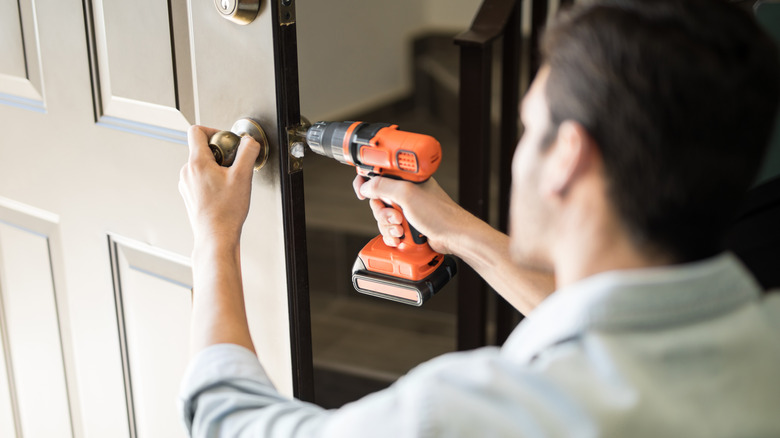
570 157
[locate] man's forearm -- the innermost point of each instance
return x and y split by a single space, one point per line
487 251
218 311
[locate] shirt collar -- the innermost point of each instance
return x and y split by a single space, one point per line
634 299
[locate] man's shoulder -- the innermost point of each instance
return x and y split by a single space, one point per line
617 383
770 306
772 300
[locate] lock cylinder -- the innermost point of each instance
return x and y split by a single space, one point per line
238 11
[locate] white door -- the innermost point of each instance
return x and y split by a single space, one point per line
95 99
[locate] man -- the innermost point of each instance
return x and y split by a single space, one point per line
643 128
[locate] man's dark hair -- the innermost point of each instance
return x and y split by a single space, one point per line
680 96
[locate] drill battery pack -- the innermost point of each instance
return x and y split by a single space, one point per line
405 278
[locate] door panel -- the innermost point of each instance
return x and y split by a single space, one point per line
153 299
144 87
20 67
103 159
12 44
154 83
34 368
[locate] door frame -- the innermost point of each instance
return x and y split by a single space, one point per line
293 209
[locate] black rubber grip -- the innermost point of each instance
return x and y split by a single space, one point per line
417 236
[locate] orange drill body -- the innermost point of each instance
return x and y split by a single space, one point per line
405 155
412 272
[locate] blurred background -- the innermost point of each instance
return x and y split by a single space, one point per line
390 62
398 62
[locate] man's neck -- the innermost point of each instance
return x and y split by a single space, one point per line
596 245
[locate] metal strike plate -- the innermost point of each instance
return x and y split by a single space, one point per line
238 11
224 144
286 12
296 144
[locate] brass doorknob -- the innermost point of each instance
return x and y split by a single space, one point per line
224 144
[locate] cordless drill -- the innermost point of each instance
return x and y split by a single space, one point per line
412 272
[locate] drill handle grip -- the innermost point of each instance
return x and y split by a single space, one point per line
418 237
409 230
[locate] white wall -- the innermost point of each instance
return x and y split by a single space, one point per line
355 54
450 14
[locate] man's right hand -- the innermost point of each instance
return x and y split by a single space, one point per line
426 206
452 230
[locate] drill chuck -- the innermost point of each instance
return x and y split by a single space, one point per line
327 138
342 140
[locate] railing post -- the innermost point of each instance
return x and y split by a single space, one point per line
506 315
476 56
474 156
494 18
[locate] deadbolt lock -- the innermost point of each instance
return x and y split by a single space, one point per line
238 11
224 144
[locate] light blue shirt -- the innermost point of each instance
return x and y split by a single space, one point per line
686 351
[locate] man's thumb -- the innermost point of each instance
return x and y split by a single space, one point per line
248 151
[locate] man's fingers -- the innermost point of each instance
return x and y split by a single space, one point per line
357 183
384 214
382 191
248 150
377 207
208 131
394 216
198 141
385 188
395 230
367 188
391 241
387 220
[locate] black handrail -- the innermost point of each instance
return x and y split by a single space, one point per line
495 19
489 23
